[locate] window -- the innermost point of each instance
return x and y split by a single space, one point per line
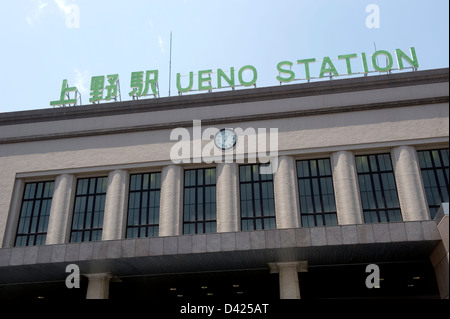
199 210
143 205
434 168
378 189
89 209
34 214
316 192
257 198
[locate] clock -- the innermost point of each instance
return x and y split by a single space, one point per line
225 139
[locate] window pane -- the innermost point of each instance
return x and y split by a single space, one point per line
30 190
244 224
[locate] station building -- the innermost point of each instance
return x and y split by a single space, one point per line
360 178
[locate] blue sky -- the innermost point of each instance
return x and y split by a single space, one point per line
46 41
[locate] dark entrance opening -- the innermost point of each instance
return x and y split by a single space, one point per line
413 279
248 284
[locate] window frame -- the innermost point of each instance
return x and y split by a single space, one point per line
89 229
147 226
258 220
318 215
196 222
424 172
391 213
36 217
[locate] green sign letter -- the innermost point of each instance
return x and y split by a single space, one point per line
412 62
139 87
201 79
221 74
306 61
111 89
364 61
331 69
347 58
97 86
191 82
255 75
285 71
65 90
389 63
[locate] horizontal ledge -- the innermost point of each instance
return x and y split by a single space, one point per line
232 119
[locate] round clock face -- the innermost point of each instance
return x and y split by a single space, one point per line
225 139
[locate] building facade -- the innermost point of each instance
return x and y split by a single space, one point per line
136 196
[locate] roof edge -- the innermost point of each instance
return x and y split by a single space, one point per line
228 97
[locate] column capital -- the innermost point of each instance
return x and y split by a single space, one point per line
99 276
98 287
301 266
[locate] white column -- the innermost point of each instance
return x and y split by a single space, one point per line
288 276
98 286
348 202
13 214
410 188
286 194
116 205
59 223
227 190
170 221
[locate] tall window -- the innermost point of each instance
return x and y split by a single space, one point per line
378 189
143 205
34 214
434 168
89 208
257 198
315 186
199 210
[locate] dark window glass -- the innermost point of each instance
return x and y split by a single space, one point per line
257 198
378 189
316 192
434 168
89 208
34 214
199 209
143 205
